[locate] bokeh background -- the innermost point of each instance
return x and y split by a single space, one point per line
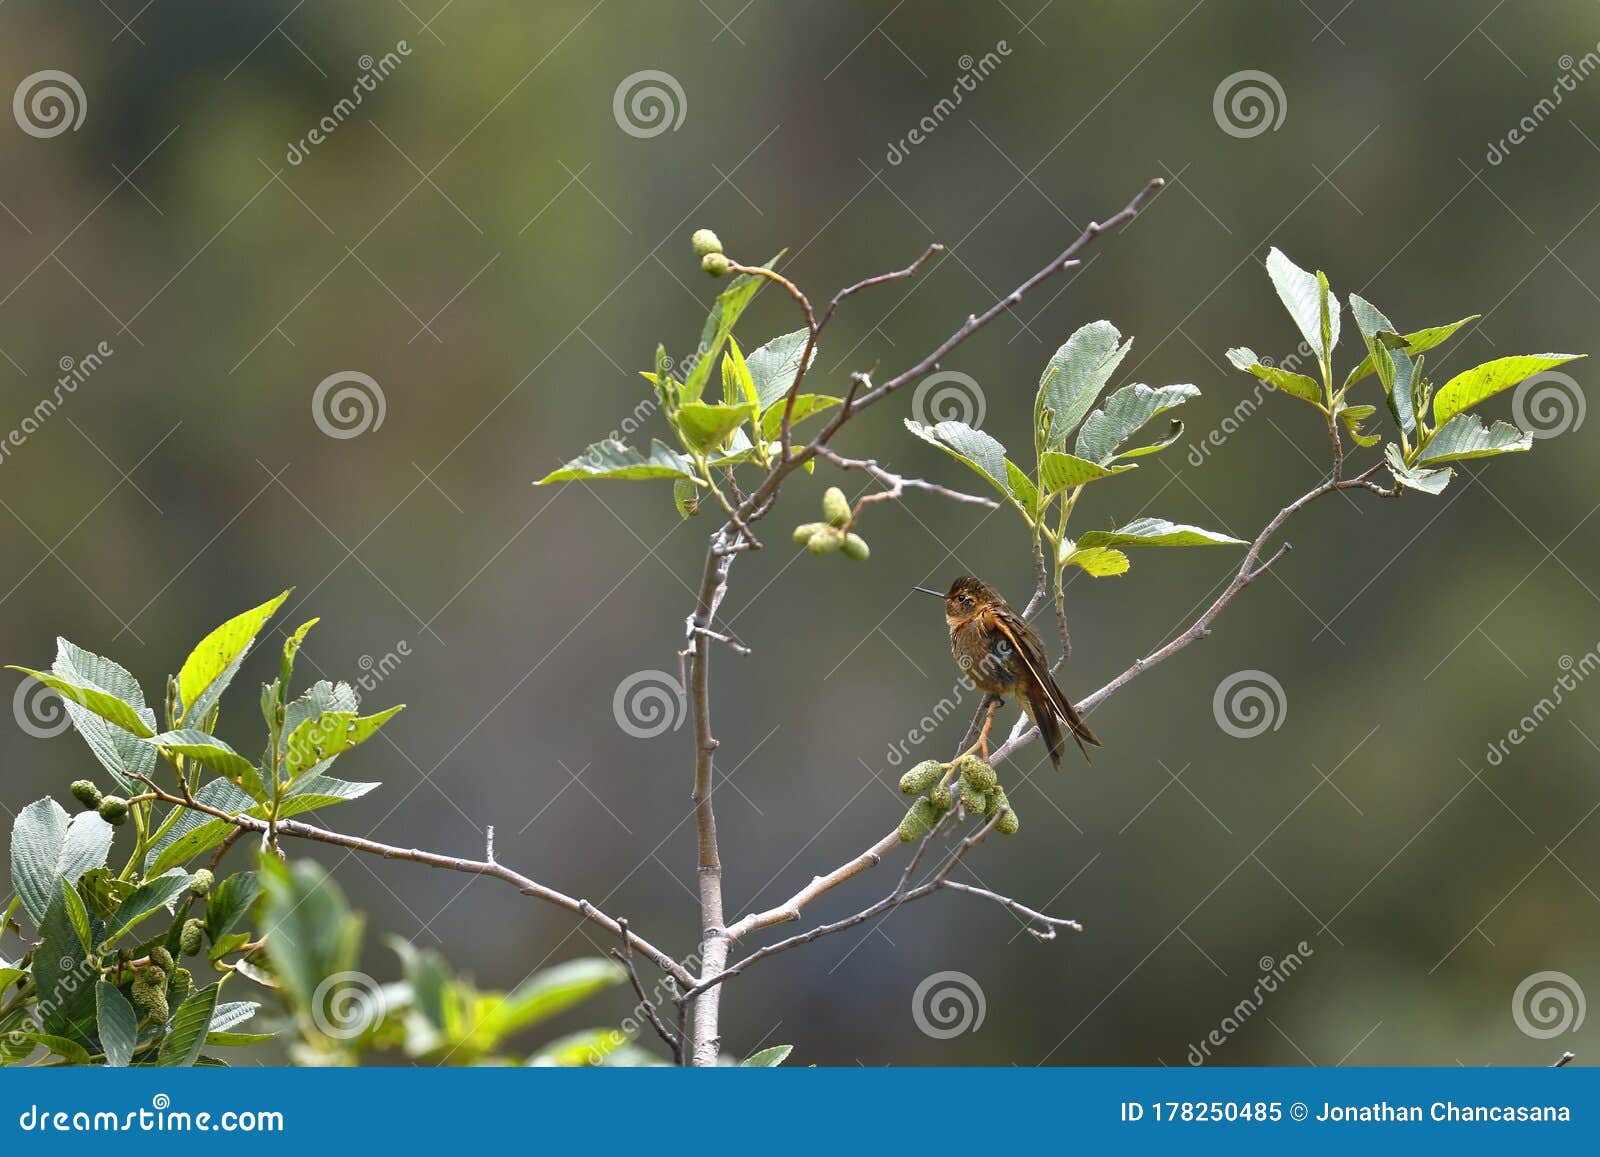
485 238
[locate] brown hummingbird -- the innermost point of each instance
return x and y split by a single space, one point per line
1002 653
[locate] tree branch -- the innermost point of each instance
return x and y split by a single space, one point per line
624 956
897 484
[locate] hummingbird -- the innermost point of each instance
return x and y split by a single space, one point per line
1002 653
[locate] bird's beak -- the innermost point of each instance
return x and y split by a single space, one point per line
926 591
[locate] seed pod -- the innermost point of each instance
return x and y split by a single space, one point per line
162 959
939 797
921 777
715 264
114 810
189 939
181 985
997 800
978 773
1008 824
806 531
836 507
856 547
916 821
150 998
825 541
86 792
975 800
200 883
705 242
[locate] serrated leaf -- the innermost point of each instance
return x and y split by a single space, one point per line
1073 379
235 1012
1426 481
978 450
686 497
773 366
1467 389
1099 561
1465 436
229 900
37 835
1302 294
1352 417
725 311
767 1058
705 425
101 703
737 384
291 649
63 974
207 751
329 735
187 1032
805 405
119 751
1284 381
117 1023
1023 492
156 894
1058 472
1419 341
195 832
612 459
1125 411
69 1050
211 666
1157 532
1393 364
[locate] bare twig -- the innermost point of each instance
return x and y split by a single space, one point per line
897 484
624 956
881 279
1564 1060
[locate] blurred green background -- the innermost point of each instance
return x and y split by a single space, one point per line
484 238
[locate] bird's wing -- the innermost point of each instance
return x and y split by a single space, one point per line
1026 643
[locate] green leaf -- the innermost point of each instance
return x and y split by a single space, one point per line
238 1039
612 459
328 735
1426 481
311 932
228 901
706 425
1157 532
737 384
773 366
1058 472
725 311
1306 298
767 1058
805 405
1023 492
291 649
1352 417
317 790
1285 381
1467 389
70 1050
1418 342
119 752
63 974
78 917
235 1012
547 993
201 747
211 666
117 1023
1098 561
1465 436
589 1046
1393 364
1124 412
978 450
187 1033
156 894
686 497
37 836
102 703
195 832
1072 381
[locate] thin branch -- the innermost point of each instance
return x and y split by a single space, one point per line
624 955
881 279
499 871
897 484
1564 1060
